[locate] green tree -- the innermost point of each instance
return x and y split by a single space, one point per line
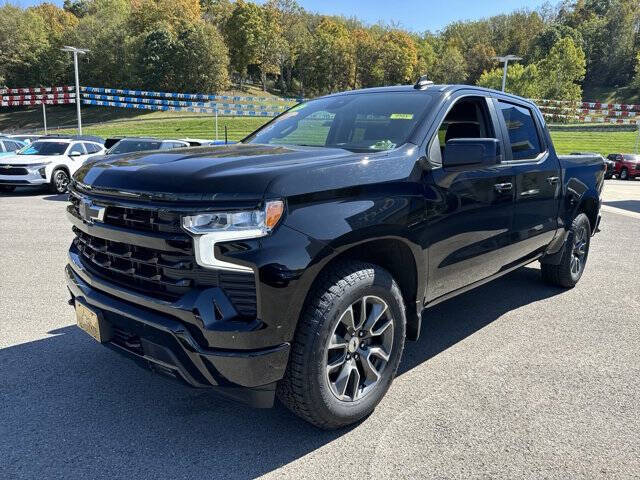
243 32
23 42
426 57
450 66
155 65
272 47
521 80
201 60
330 58
636 79
479 58
113 49
562 70
369 71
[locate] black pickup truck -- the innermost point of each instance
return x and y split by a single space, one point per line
297 262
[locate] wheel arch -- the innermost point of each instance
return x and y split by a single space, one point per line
396 255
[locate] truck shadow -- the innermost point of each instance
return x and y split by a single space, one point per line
446 324
71 408
630 205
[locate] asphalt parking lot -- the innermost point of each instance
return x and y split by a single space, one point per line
513 380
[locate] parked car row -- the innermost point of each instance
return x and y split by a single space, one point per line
626 166
51 160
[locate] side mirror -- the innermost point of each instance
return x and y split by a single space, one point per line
471 152
74 154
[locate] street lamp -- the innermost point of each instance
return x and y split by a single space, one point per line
75 52
505 60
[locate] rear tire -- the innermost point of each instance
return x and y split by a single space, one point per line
574 258
59 181
342 361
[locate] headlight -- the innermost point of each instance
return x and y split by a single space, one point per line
37 168
208 229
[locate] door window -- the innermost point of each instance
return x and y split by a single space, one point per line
77 149
468 118
523 133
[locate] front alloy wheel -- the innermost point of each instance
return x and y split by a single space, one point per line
347 345
60 181
359 349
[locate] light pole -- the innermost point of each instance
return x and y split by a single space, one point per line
75 52
505 60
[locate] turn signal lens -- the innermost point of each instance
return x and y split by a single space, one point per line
274 210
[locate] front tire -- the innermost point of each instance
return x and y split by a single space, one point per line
347 346
624 174
59 181
574 257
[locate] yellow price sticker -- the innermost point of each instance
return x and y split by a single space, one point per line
401 116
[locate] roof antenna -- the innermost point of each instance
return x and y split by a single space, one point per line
423 82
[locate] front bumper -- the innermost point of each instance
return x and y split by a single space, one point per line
30 179
158 340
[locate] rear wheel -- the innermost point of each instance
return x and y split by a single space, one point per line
574 258
624 174
59 181
347 347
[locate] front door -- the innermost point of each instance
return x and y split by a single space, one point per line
470 211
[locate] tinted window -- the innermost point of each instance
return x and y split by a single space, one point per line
632 157
45 148
523 134
358 122
77 148
91 147
127 146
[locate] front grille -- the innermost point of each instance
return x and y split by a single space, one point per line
160 274
14 171
147 220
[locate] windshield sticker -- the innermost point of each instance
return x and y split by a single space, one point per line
298 107
383 145
401 116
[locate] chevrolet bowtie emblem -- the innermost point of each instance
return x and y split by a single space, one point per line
90 212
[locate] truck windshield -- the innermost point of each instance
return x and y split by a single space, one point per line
362 122
44 148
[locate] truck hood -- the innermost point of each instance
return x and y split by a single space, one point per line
240 172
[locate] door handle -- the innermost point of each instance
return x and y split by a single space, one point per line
553 180
503 187
530 193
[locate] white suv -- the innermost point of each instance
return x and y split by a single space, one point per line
50 161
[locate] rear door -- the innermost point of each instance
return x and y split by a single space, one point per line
470 210
537 176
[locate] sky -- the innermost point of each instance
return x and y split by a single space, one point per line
416 15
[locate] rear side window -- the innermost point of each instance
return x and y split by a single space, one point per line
523 134
91 147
